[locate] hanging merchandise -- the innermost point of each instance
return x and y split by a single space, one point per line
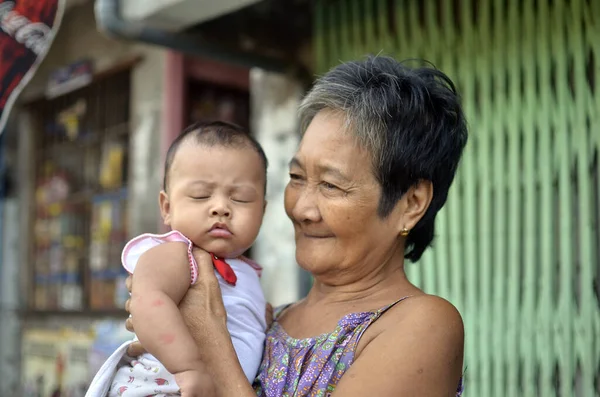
108 234
56 362
28 27
112 165
80 222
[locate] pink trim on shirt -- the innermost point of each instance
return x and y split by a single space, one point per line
253 265
174 236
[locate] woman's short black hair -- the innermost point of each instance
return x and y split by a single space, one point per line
410 119
214 133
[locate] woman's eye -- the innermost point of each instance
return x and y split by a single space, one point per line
295 177
328 186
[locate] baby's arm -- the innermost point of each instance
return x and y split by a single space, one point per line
160 280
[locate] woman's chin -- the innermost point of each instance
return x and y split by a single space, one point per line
312 263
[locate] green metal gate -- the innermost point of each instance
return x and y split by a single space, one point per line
517 247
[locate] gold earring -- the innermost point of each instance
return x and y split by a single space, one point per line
404 232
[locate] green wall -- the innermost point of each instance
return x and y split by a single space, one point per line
517 247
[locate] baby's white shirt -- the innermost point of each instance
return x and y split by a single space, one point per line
245 303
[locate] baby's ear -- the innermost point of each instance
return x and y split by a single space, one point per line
165 207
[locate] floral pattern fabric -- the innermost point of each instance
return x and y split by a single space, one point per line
312 367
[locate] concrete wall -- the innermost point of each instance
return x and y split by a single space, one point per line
10 325
275 99
274 104
78 38
176 15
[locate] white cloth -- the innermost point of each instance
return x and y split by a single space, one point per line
245 304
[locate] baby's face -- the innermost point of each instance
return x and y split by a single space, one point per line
215 197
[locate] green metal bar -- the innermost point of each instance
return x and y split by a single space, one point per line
428 279
546 301
517 217
333 35
584 316
504 352
383 34
564 340
345 37
370 26
403 43
484 198
356 29
515 243
472 331
530 226
416 32
322 60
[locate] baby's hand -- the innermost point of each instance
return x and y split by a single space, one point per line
195 383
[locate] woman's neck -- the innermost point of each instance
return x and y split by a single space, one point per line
377 283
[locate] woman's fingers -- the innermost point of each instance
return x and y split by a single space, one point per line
128 282
208 280
206 271
129 324
135 349
269 315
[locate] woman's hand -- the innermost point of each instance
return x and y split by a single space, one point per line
204 313
269 315
202 307
195 383
136 348
190 302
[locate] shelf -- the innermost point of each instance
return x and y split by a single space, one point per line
94 313
87 141
117 130
99 76
109 274
88 195
87 208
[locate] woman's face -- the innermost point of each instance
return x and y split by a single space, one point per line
332 199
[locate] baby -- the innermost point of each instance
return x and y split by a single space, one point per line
213 198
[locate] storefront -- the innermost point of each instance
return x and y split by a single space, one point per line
78 223
89 173
80 154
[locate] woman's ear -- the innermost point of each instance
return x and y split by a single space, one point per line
417 201
165 207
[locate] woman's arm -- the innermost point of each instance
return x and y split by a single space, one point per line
160 280
204 313
419 352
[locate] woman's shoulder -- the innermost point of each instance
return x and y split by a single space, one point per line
423 311
421 332
425 320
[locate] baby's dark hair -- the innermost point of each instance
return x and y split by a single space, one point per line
215 133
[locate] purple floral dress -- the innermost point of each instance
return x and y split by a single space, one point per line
312 366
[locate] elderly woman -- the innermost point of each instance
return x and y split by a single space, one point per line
380 146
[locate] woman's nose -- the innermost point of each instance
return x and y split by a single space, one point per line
305 208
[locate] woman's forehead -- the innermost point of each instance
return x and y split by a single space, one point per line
327 144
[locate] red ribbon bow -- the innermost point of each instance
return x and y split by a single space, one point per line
224 270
